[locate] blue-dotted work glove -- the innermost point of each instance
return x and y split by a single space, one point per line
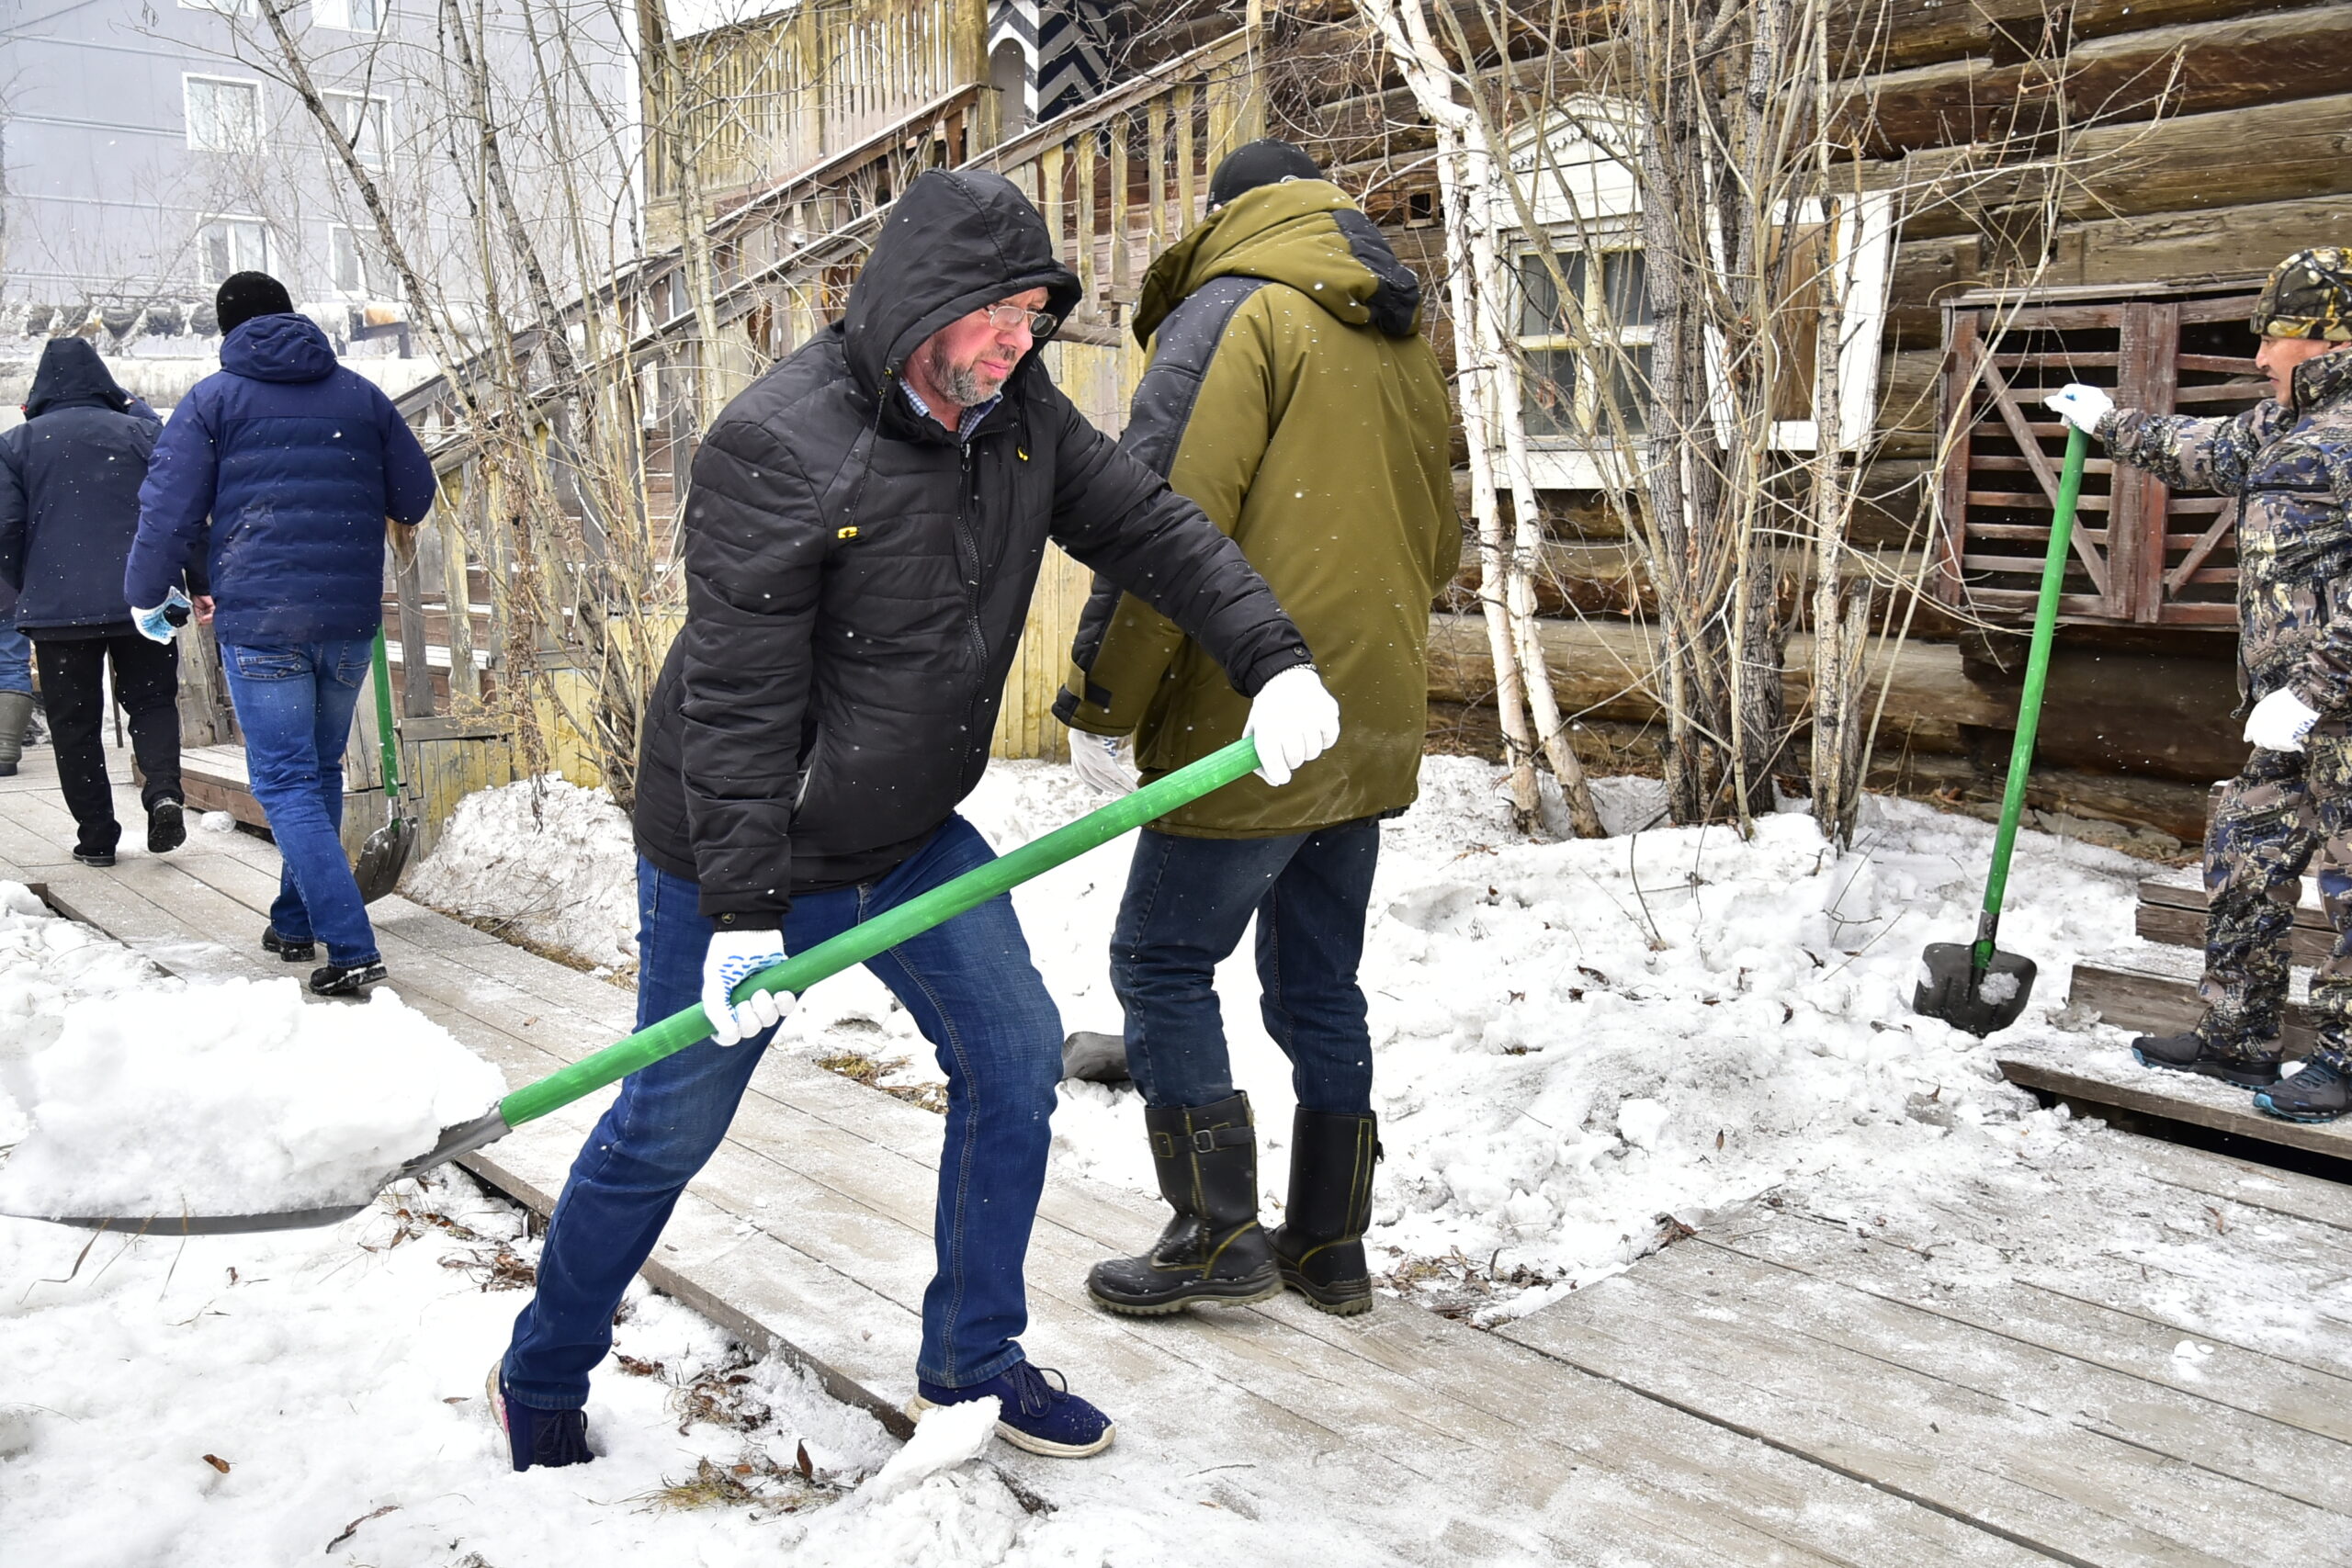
734 957
158 623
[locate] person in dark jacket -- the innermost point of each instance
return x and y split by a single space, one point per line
69 505
1293 396
279 473
862 538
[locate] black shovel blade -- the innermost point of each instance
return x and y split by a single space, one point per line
1982 1003
383 858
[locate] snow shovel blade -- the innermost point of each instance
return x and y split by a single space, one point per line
462 1139
1981 1001
383 858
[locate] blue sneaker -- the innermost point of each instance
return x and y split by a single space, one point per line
1037 1415
2316 1093
548 1437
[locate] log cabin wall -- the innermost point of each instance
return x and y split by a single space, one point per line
2201 141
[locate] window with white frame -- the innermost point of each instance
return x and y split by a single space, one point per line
350 16
226 8
223 114
364 122
356 262
226 245
1590 348
1585 356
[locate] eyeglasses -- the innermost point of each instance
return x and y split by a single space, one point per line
1007 318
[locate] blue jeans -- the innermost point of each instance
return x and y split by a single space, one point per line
976 998
1188 901
15 657
294 705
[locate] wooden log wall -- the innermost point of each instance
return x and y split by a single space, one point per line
2202 140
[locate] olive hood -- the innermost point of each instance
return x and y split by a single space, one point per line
1306 233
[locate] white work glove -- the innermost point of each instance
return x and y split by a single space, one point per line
2079 406
1295 721
1096 760
2279 722
156 624
733 958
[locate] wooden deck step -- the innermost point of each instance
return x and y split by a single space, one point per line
2172 910
2111 1077
2154 989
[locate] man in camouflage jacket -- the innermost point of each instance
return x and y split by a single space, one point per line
2289 462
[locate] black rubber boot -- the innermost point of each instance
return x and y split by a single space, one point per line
291 952
166 828
2252 1067
345 980
1213 1250
2318 1092
1319 1244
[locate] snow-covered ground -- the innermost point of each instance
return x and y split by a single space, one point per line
1572 1040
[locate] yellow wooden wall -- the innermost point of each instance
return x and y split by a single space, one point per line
1099 379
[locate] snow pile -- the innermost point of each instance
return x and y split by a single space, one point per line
232 1098
1575 1040
543 861
46 964
316 1397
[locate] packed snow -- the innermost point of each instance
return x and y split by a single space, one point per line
129 1092
543 862
318 1397
1577 1043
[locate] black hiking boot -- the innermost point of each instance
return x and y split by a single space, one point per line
1213 1250
2250 1067
291 950
166 828
99 858
2317 1092
1319 1244
345 980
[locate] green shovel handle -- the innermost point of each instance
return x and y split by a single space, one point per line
2037 675
885 931
384 730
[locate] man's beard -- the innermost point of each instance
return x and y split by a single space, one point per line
964 384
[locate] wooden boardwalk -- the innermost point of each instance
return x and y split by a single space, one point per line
1988 1374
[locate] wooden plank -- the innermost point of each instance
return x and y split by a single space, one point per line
2154 989
2076 1494
2074 1396
1896 1269
2177 1096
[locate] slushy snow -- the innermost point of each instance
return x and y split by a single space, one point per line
156 1097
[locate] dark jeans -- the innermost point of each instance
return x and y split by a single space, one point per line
294 707
976 998
147 683
1188 902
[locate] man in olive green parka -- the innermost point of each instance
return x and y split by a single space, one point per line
1291 397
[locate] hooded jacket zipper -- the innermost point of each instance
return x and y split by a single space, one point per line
968 541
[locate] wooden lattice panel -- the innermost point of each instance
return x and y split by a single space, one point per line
2141 554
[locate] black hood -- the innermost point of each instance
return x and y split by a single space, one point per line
953 243
73 376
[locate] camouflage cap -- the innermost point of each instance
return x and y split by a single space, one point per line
2310 295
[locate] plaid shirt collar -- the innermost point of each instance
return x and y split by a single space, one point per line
972 416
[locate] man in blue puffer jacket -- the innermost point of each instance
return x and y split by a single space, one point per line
279 472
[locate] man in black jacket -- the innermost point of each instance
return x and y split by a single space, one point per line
69 508
862 538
